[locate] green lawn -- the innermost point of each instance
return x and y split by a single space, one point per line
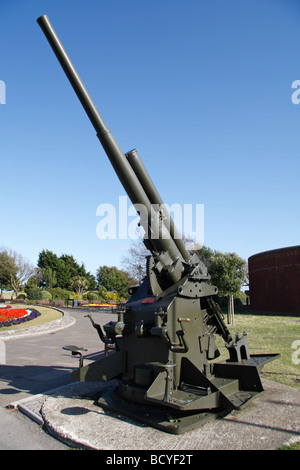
271 334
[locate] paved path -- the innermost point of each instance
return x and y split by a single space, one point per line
20 433
33 362
268 422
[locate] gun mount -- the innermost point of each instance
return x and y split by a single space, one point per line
165 335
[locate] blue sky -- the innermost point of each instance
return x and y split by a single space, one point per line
202 88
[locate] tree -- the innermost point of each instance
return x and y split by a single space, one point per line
135 262
78 284
35 281
47 259
49 277
8 269
71 265
65 268
114 279
15 270
92 283
228 273
205 253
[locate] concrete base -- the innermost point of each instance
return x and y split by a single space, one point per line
268 422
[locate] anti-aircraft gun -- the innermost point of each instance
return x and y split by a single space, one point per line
164 338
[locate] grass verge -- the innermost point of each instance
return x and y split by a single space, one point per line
271 334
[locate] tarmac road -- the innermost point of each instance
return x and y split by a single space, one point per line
20 433
35 363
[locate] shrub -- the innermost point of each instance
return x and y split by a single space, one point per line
30 302
21 297
32 294
111 297
76 296
102 291
92 296
60 294
38 294
45 295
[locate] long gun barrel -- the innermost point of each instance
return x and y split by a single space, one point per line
170 250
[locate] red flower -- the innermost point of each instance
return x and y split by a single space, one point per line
15 316
9 314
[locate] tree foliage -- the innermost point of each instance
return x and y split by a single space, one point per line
228 271
78 284
15 270
63 269
49 277
114 279
134 262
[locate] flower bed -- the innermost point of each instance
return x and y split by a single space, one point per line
100 305
14 316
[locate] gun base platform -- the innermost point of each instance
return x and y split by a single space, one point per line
170 421
173 419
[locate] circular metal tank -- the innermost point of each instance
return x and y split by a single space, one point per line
274 279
